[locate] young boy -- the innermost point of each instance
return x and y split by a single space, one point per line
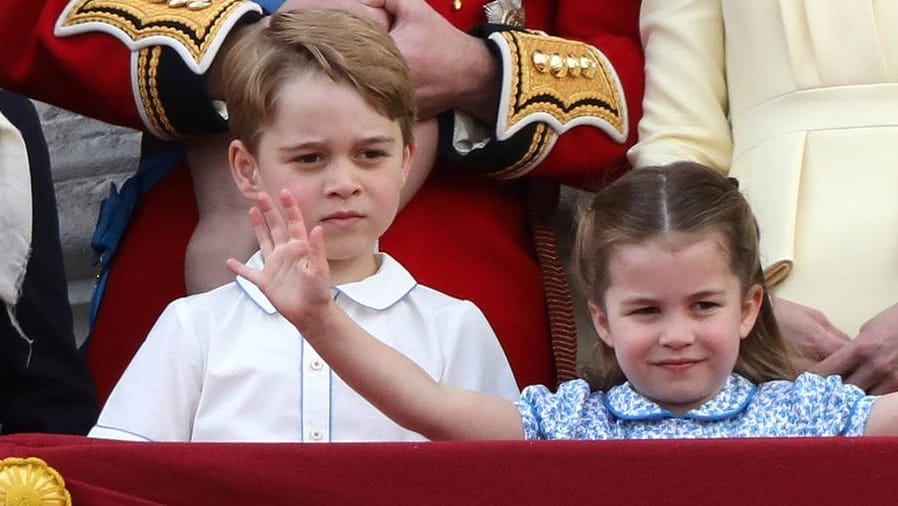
320 103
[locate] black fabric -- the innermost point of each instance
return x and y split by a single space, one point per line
54 393
496 155
188 104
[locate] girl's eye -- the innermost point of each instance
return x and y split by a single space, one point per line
706 305
648 310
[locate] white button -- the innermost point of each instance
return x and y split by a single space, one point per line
315 435
316 365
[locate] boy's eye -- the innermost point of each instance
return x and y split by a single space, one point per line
373 154
309 158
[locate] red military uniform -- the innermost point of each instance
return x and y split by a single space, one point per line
567 114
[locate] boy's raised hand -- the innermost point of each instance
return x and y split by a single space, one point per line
296 276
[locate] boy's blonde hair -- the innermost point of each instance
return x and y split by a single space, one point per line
683 197
345 47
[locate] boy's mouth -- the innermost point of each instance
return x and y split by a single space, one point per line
342 218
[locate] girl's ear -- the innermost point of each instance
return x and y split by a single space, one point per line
244 169
751 306
600 323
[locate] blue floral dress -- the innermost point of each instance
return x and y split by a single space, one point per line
809 406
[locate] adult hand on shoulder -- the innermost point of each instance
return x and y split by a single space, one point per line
452 70
362 8
808 332
367 8
870 361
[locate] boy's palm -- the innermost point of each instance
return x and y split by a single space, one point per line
295 276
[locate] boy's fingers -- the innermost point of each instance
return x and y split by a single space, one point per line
317 254
244 270
273 219
296 225
260 230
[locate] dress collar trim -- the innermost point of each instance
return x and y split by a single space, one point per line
627 404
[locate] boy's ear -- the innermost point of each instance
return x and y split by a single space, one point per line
244 169
408 152
751 307
600 323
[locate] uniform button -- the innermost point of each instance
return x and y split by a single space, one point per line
315 435
316 365
541 61
558 65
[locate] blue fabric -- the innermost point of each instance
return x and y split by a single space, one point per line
270 6
809 406
116 210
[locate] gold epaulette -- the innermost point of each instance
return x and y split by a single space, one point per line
559 82
193 28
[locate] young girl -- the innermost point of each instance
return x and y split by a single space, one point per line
668 258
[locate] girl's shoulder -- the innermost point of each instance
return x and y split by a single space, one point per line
576 391
808 383
815 405
572 411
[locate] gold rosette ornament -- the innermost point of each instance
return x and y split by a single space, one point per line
31 482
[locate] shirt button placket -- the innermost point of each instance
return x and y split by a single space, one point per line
316 395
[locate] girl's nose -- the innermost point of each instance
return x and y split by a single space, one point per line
677 333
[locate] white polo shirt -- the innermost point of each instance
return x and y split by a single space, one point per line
225 366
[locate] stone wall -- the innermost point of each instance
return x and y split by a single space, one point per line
86 157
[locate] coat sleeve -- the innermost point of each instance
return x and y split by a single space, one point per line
135 63
569 98
685 106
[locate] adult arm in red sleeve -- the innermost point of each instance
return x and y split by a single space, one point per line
567 102
134 63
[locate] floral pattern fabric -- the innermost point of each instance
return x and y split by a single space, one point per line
809 406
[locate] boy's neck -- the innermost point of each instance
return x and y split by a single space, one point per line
353 269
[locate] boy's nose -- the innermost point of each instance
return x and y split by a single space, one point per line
342 180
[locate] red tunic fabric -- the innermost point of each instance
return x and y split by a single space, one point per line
463 233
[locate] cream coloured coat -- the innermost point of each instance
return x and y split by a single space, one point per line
810 89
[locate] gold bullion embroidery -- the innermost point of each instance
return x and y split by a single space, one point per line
191 27
566 80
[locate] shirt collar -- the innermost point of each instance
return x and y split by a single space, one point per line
379 291
627 404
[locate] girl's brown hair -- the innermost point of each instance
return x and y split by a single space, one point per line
345 47
683 197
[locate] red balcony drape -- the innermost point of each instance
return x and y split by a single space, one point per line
807 471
